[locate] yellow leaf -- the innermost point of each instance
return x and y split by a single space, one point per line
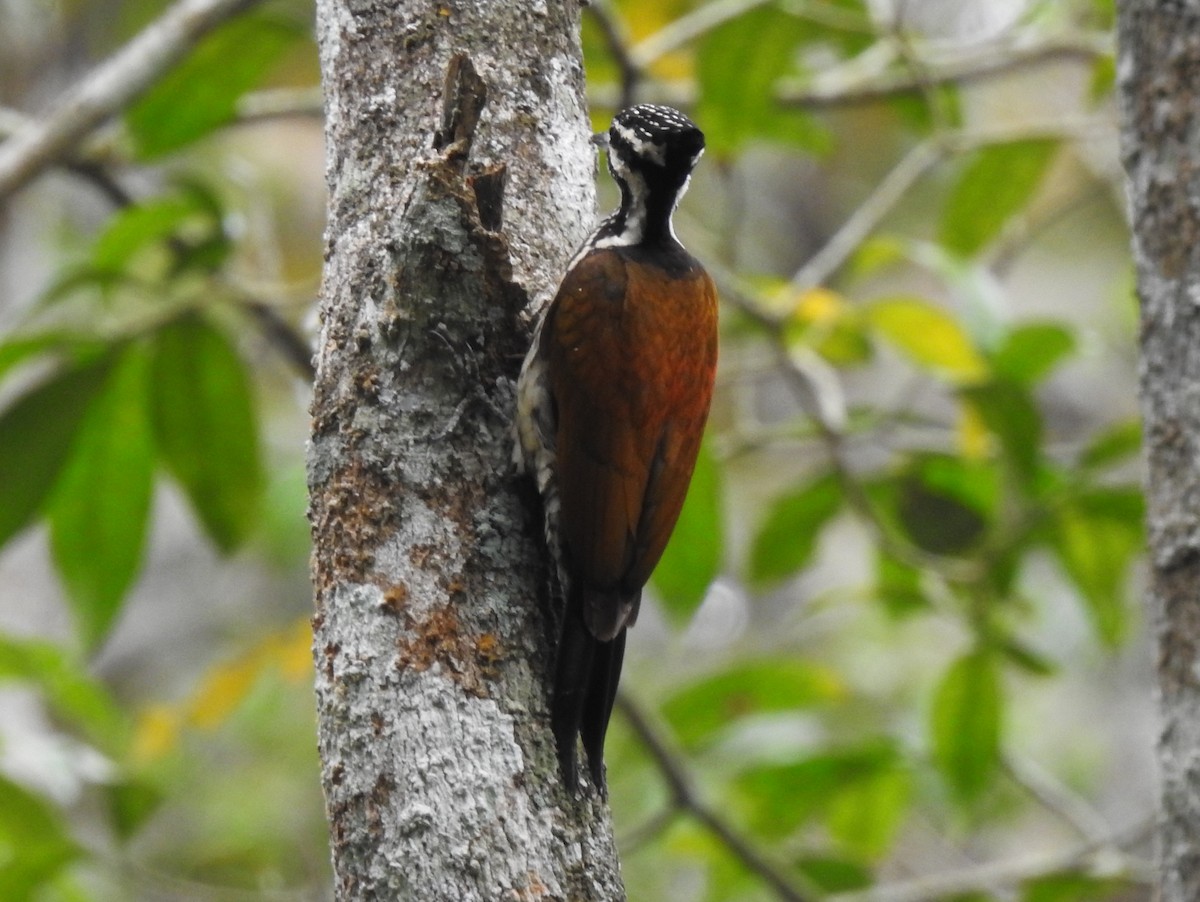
222 690
644 20
295 653
820 307
155 734
874 254
928 336
974 437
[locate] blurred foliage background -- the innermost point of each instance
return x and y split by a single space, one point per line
894 651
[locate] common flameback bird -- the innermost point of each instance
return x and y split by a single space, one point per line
611 404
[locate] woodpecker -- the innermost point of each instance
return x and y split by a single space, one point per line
611 405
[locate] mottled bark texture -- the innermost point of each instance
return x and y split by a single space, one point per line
431 632
1159 69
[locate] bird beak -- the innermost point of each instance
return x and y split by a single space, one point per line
600 139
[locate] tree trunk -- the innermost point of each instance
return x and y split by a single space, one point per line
1159 64
431 632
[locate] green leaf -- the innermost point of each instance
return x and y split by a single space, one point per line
205 426
76 348
1010 414
1096 537
996 183
131 803
834 875
929 336
938 107
1031 351
185 227
898 586
866 815
966 720
738 66
1069 886
699 711
787 539
1113 446
784 796
201 93
101 503
34 846
1103 80
36 435
68 690
1028 659
137 226
692 558
945 503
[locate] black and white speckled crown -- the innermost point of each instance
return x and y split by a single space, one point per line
656 135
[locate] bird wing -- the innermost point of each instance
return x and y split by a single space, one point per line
631 382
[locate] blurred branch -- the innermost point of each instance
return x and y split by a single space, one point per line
109 88
290 343
614 36
281 103
915 164
649 829
835 88
1058 799
867 216
994 876
686 29
848 84
686 799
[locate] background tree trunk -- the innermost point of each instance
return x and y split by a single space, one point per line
1159 64
430 635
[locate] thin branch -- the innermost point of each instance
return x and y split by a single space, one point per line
686 798
649 829
283 337
109 88
848 86
281 103
992 876
1058 799
103 180
280 334
618 47
682 31
836 90
686 29
867 216
915 164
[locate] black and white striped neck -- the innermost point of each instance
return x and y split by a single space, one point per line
645 214
651 153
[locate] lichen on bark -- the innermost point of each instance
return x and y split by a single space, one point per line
1159 71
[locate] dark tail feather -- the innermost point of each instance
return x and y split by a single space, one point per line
597 707
573 673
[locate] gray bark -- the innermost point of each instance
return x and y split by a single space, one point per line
1159 67
431 632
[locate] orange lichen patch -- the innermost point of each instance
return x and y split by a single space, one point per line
421 554
351 516
533 889
439 638
488 649
395 597
366 381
